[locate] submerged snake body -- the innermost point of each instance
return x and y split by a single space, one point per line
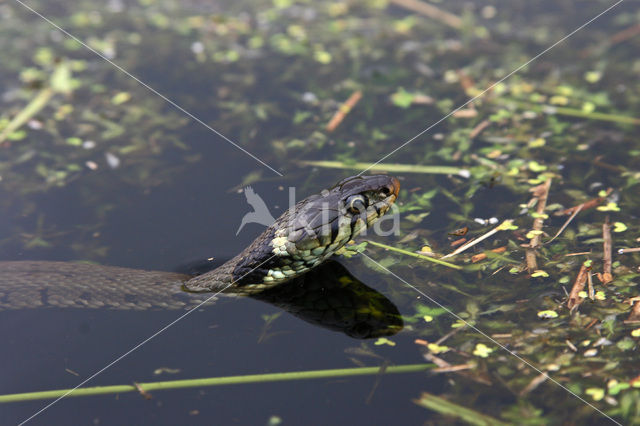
302 238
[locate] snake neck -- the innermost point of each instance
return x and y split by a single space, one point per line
264 264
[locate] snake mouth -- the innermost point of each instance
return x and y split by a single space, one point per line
395 187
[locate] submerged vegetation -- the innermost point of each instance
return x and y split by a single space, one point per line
546 161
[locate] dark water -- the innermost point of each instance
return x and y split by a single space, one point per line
165 229
162 209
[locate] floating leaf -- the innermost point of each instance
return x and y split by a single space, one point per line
592 76
61 80
384 341
596 393
610 207
74 141
482 350
537 143
437 349
507 225
539 273
540 215
616 388
547 314
401 98
120 98
534 233
322 56
619 227
625 344
588 107
534 166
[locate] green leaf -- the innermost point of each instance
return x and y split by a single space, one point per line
402 98
482 350
547 314
539 273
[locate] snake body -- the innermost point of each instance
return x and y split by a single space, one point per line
299 240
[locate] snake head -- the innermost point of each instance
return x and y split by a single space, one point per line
321 224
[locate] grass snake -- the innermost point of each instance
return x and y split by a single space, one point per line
302 238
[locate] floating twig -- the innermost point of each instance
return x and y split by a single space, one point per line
629 250
454 368
445 367
502 227
390 167
419 256
479 128
586 205
537 381
458 242
541 193
634 316
591 323
430 11
146 395
580 253
344 109
564 226
625 34
602 164
607 275
578 286
482 256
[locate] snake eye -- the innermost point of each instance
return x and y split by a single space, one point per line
385 191
356 204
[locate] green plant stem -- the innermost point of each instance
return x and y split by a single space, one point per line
622 119
215 381
449 408
419 256
390 167
32 108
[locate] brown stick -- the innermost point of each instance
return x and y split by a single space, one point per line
584 206
430 11
481 256
607 276
629 250
345 108
479 128
537 381
564 226
634 316
541 192
578 286
625 34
